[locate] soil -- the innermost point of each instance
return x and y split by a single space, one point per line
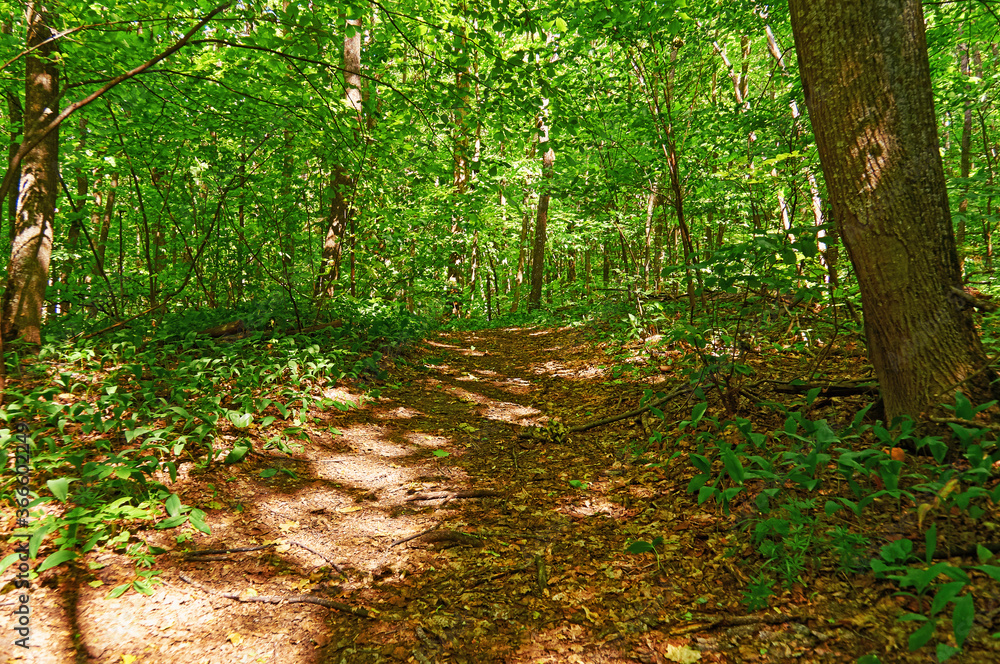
434 523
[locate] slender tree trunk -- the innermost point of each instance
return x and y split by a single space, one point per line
16 116
76 225
647 248
606 266
340 216
541 222
31 252
867 85
103 222
966 154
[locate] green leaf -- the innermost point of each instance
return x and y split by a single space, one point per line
946 651
640 546
991 571
732 464
59 488
8 561
143 587
57 558
922 578
240 420
268 472
920 637
706 492
171 522
962 618
118 591
577 484
201 525
441 453
236 454
946 593
173 505
198 521
36 540
983 553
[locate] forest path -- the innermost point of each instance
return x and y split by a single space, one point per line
522 549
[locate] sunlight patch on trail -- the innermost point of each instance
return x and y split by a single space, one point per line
491 409
560 370
421 439
400 413
371 440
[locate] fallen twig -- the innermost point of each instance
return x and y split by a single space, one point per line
334 565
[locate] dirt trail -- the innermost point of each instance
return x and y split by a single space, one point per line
521 549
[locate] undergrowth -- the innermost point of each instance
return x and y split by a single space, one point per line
108 420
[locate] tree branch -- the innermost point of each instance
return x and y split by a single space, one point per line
27 147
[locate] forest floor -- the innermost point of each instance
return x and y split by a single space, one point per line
423 526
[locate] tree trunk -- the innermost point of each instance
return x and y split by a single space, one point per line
867 85
340 216
966 153
31 252
16 117
541 221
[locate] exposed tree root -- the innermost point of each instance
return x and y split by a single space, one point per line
283 599
451 495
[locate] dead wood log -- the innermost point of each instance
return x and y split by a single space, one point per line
314 328
225 330
843 389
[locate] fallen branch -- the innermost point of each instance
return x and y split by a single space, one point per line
969 424
624 416
200 553
829 389
225 330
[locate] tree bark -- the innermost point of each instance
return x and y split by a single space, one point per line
31 252
340 215
541 223
867 86
16 117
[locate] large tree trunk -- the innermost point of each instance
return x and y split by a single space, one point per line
28 271
868 89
